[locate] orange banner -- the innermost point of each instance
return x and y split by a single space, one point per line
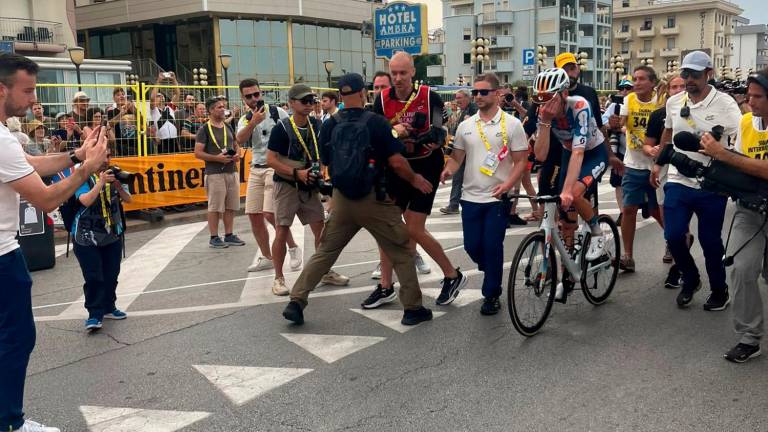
167 180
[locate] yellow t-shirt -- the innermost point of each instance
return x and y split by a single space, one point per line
751 141
638 113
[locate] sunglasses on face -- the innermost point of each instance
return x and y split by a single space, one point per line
481 92
309 100
252 95
689 73
622 88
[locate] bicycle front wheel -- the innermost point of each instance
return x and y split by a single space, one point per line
598 277
531 285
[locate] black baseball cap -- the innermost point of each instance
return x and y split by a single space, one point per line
351 83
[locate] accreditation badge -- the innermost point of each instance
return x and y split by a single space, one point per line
490 164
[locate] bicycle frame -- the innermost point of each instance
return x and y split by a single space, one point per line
552 236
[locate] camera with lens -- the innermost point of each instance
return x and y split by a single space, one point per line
716 177
120 175
230 152
316 177
614 137
435 135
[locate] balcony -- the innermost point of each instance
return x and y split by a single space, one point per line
434 71
604 19
670 52
762 60
568 37
624 33
586 41
435 48
587 18
604 42
568 12
499 17
646 32
502 42
500 66
646 54
669 31
33 35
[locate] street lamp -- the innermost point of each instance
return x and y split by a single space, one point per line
225 61
582 63
461 79
77 55
672 66
480 53
617 65
646 62
541 56
329 65
200 76
365 71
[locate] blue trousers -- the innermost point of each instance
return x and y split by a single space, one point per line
101 267
17 337
485 225
680 204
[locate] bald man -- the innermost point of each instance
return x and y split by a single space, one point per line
415 112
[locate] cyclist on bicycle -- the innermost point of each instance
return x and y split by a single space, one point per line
584 159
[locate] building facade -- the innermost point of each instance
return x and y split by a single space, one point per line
42 28
750 47
277 42
665 30
515 26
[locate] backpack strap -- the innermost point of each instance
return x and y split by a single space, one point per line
274 114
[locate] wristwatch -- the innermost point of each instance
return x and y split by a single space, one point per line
74 157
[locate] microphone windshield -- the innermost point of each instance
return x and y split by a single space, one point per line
687 141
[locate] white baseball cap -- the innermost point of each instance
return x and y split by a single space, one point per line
697 60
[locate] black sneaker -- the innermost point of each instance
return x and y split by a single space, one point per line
686 295
294 313
673 278
491 306
416 316
717 301
451 288
233 240
742 352
380 296
514 219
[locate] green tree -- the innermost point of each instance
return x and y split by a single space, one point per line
421 62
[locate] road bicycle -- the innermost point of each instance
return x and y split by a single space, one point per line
534 273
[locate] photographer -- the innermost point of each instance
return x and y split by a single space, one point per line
97 236
617 139
294 155
697 110
749 231
215 144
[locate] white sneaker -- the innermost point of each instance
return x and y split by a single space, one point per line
333 278
596 247
421 266
260 263
295 254
279 288
376 274
30 426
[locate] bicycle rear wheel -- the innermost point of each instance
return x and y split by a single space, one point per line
597 285
531 285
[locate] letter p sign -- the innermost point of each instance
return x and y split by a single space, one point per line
529 58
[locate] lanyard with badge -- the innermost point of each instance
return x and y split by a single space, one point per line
104 197
301 140
213 137
492 160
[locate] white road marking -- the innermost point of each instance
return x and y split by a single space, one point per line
109 419
391 317
144 265
466 296
330 348
242 384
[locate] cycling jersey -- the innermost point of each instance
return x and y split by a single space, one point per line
577 129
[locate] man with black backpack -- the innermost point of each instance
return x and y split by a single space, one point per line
362 151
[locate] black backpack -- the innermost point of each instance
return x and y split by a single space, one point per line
352 172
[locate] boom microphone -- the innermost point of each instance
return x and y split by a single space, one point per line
687 141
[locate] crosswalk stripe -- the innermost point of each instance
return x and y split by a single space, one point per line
330 348
110 419
391 317
242 384
143 266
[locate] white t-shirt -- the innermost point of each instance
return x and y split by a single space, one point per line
716 109
260 135
13 166
168 130
477 186
635 158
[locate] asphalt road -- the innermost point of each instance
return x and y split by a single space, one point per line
206 349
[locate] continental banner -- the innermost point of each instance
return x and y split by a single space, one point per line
174 179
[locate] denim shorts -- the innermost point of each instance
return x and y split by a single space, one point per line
637 189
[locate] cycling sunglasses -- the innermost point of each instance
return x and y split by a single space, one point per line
482 92
307 100
252 95
690 73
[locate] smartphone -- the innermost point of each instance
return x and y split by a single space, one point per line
227 113
259 104
167 74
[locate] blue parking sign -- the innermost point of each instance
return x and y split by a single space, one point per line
529 56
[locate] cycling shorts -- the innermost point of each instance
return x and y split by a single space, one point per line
593 166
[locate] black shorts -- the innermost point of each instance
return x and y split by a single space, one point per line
408 198
549 179
615 177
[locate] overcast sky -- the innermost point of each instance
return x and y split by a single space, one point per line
751 11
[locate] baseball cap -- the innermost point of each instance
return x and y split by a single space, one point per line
625 83
697 60
351 83
299 91
563 59
80 95
34 124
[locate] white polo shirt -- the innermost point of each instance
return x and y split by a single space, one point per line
716 109
477 186
13 166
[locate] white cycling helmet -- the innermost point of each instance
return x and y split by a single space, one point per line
548 83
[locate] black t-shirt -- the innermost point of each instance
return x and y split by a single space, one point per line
383 141
280 141
590 95
656 124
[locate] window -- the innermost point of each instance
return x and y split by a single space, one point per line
671 22
467 58
467 34
625 47
625 26
647 23
670 43
647 45
625 3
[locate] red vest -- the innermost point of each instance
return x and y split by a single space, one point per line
392 106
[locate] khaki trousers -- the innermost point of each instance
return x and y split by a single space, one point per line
383 220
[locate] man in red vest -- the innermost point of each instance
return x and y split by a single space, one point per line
417 116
